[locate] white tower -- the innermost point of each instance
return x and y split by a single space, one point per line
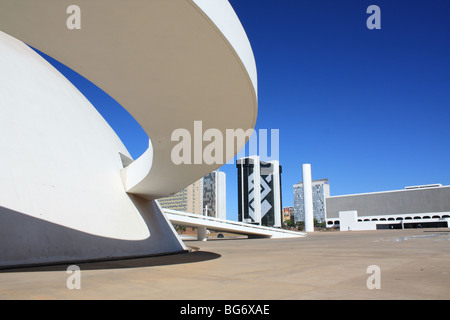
308 198
276 193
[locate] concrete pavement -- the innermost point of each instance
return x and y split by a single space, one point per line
414 264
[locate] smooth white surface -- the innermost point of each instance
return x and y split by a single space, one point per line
348 220
202 233
256 190
226 20
63 188
195 220
308 198
61 194
221 205
276 194
168 63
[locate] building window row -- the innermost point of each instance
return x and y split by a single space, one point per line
336 222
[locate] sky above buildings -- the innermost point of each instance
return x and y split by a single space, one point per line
368 109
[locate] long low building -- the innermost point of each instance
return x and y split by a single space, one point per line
418 206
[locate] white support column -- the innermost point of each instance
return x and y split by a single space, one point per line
276 194
202 234
308 198
256 189
221 195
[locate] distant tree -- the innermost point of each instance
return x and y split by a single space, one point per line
288 224
180 229
300 225
318 224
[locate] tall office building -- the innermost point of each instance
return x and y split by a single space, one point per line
214 195
189 199
321 191
259 191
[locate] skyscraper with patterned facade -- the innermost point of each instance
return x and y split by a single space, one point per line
259 191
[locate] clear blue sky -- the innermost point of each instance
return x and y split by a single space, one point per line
369 109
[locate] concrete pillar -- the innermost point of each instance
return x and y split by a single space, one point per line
201 233
256 189
308 198
276 193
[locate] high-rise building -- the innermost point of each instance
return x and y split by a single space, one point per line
259 191
214 195
321 191
190 199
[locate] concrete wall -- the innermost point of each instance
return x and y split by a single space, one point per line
349 221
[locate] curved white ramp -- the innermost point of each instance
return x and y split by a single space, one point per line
195 220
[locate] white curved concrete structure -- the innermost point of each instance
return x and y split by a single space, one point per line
205 222
168 63
64 194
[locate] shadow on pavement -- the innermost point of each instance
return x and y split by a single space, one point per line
141 262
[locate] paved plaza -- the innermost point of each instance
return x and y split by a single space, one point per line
413 264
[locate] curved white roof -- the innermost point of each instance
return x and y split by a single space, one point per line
167 62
